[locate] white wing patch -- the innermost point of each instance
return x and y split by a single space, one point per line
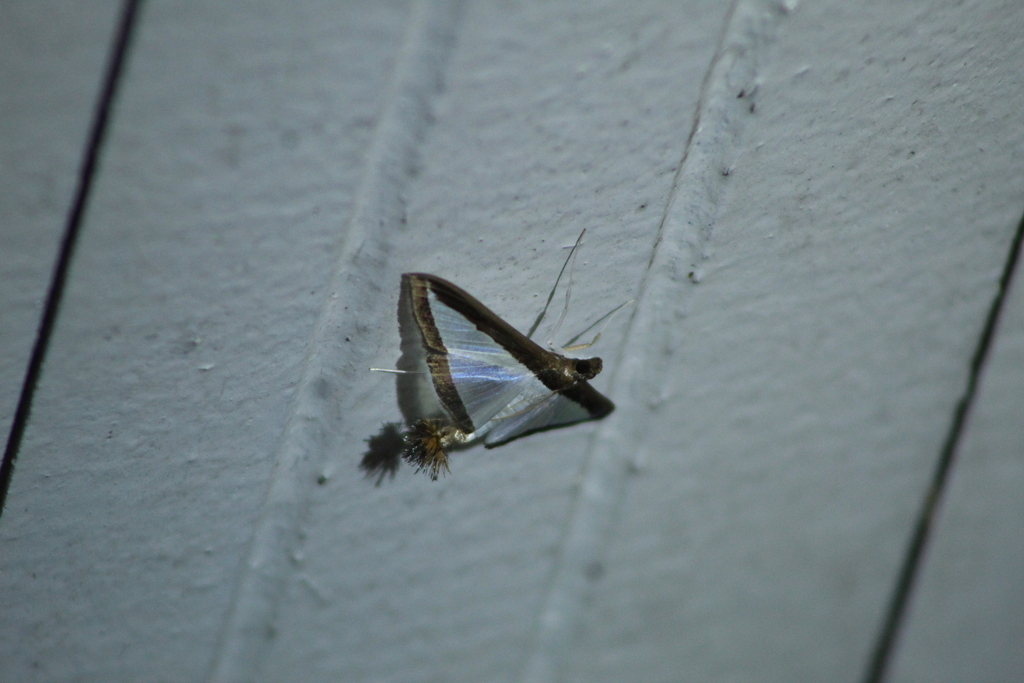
551 411
502 397
488 378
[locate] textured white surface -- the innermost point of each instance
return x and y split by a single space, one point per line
813 268
967 621
822 353
232 161
52 57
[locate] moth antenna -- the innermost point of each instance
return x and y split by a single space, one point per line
395 372
536 323
568 293
607 318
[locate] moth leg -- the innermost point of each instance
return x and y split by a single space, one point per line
606 318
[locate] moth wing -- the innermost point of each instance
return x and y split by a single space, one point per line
417 398
481 367
489 380
552 410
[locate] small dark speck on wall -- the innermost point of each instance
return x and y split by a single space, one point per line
594 571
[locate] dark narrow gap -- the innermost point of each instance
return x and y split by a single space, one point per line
887 637
93 145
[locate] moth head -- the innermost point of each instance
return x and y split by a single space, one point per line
587 368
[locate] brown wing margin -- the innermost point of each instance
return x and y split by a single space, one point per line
436 353
592 400
533 356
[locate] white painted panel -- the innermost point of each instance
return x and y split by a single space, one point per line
554 117
52 58
787 420
966 621
236 146
743 513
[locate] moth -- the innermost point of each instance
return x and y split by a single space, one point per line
467 375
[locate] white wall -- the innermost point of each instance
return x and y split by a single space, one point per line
812 205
